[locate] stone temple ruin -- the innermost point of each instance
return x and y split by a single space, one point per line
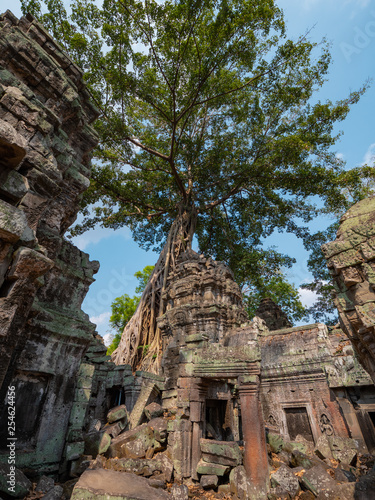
241 409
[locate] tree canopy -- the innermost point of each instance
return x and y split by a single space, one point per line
207 117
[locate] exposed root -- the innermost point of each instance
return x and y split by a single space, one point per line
141 343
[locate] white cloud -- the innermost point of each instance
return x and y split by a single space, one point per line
94 236
107 338
369 157
102 318
307 297
340 156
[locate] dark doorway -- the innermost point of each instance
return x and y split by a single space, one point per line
217 425
298 423
30 393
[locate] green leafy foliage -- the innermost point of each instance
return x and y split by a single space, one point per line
124 307
206 107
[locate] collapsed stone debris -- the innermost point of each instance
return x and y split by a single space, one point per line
240 410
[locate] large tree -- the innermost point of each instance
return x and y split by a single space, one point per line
207 129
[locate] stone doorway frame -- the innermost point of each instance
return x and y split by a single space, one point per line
299 404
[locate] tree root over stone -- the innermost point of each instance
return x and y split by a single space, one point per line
141 343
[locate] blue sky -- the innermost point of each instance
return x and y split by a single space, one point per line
350 27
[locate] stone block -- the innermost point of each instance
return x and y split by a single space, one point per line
15 185
115 429
102 484
160 464
159 426
74 450
285 478
221 452
144 398
28 263
322 448
44 484
179 492
153 410
13 222
82 395
209 482
144 436
317 480
212 469
238 482
344 450
54 494
118 413
275 441
77 415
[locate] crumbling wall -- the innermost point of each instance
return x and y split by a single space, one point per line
45 140
309 379
351 261
272 315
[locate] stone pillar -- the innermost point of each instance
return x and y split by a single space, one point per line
255 453
198 389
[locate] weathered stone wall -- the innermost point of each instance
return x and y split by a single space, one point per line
45 140
351 261
307 375
272 315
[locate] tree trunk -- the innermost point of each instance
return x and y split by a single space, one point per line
140 344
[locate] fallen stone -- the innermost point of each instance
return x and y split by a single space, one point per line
322 449
280 458
317 480
275 441
278 493
143 400
104 484
221 452
118 413
119 445
159 427
114 429
135 449
298 458
98 463
211 469
339 492
180 492
21 483
153 410
306 448
97 443
346 456
209 482
238 482
54 494
285 478
158 482
344 476
143 467
44 484
344 450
